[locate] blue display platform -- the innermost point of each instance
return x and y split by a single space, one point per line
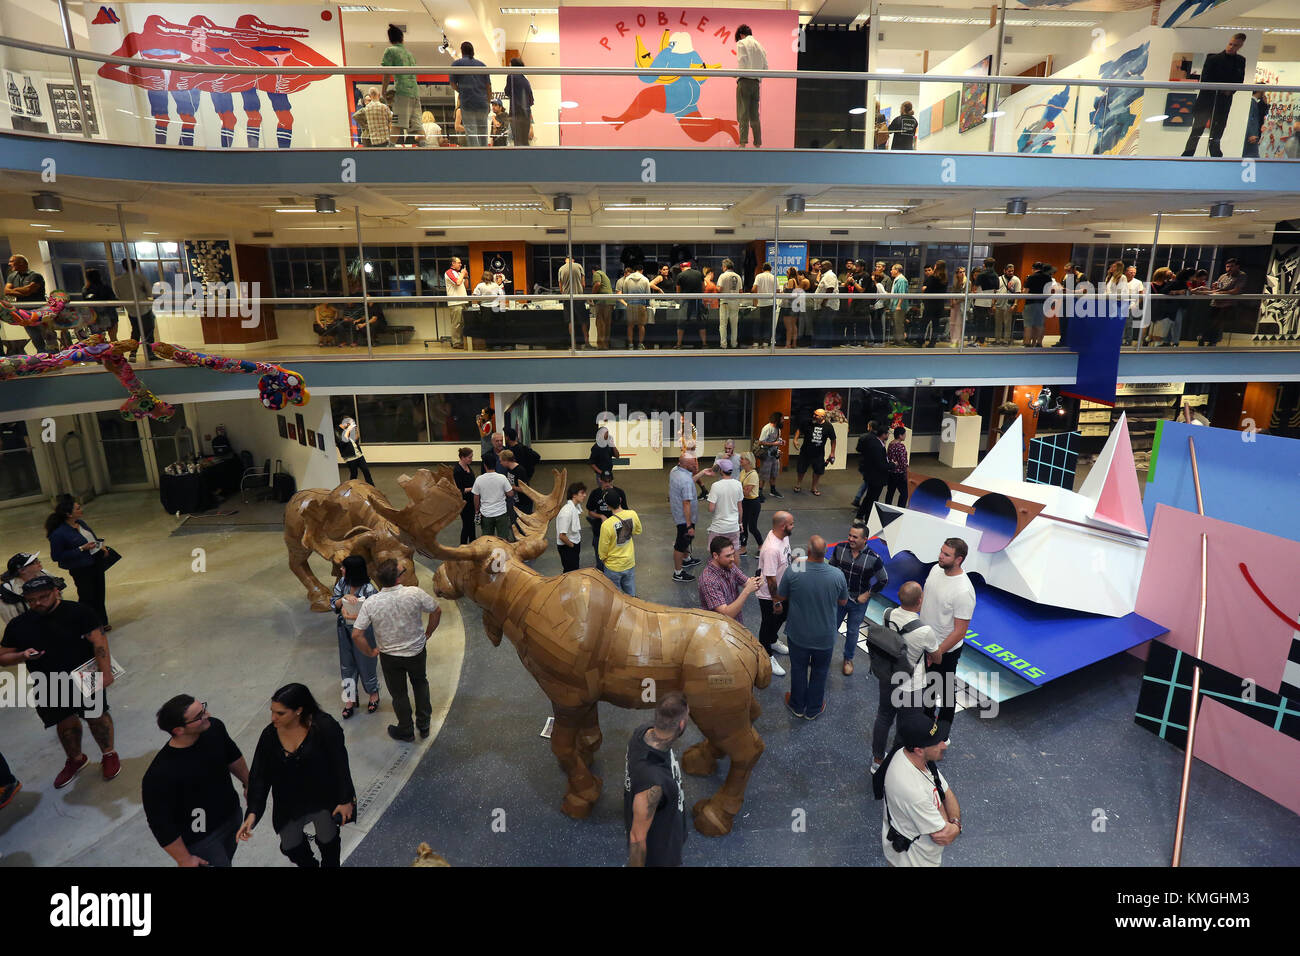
1033 642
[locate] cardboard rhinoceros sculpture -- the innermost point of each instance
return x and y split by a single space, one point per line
584 641
338 523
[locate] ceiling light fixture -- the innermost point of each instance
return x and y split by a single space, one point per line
568 105
1221 210
526 11
857 111
47 202
794 205
563 202
445 46
39 225
1017 207
325 205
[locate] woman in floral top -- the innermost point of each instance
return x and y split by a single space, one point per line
896 456
352 588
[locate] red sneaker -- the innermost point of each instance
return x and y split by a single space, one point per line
112 765
8 792
70 770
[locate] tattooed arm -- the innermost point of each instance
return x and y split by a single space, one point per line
644 805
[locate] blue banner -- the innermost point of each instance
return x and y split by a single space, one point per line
790 254
1096 333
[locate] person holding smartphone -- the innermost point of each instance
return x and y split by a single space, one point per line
723 586
349 442
76 549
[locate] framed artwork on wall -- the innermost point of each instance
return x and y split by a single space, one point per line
320 440
283 424
293 432
302 430
974 101
311 438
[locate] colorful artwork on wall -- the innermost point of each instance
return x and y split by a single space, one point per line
951 106
936 117
923 122
1117 111
1040 135
1178 109
974 101
1279 136
200 108
689 110
1189 10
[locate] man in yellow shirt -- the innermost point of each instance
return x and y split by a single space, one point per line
616 550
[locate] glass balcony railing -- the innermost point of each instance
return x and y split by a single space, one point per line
193 86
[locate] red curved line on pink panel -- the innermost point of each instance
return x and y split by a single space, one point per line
1290 622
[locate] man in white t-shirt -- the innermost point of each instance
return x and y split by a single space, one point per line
918 820
769 464
491 489
724 502
455 279
763 288
1004 310
1135 292
488 294
947 607
919 642
568 527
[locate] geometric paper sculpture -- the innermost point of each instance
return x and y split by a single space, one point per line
585 641
1053 460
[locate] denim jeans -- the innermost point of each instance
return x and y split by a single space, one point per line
218 847
856 613
808 669
476 127
356 668
626 580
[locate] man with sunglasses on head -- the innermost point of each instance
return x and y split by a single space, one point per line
190 804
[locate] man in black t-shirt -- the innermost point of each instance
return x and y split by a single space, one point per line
691 280
1212 106
599 508
654 806
904 128
55 639
986 280
816 433
528 461
191 807
603 453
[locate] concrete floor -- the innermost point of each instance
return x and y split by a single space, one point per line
1031 780
230 635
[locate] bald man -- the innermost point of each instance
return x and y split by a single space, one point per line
773 559
815 593
918 642
24 285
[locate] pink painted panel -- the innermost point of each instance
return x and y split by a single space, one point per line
1262 758
1253 600
690 111
1121 501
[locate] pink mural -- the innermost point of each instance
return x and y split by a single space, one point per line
667 111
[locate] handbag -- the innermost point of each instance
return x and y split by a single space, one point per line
107 557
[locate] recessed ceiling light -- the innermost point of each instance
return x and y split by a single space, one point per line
529 10
295 210
39 225
447 208
147 233
53 230
568 105
857 111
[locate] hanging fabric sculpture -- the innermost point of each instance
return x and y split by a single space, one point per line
277 388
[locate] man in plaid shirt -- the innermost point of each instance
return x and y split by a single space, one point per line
374 120
860 565
723 586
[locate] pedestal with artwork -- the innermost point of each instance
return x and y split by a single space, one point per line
959 440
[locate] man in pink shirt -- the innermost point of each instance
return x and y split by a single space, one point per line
773 559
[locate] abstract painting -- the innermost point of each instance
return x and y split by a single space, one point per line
974 101
923 122
936 117
1117 111
1040 135
950 108
1178 109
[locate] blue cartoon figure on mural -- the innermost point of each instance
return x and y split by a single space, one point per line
678 96
1116 110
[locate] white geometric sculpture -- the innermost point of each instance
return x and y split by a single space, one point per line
1085 550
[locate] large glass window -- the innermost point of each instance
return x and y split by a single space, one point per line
433 262
451 417
716 413
560 416
392 419
18 478
307 271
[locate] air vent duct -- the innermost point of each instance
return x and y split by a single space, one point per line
268 234
435 233
724 232
994 233
557 231
1102 235
839 232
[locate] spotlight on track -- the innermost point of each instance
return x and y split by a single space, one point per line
325 205
1221 210
47 202
563 202
794 205
1017 207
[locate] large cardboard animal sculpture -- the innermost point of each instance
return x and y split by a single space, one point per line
584 641
335 524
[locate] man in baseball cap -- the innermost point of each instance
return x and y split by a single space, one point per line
22 567
56 638
921 814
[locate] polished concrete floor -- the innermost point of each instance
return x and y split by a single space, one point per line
1033 781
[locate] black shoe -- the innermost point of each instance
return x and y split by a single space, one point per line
811 716
424 732
776 494
330 852
681 577
396 733
690 562
302 856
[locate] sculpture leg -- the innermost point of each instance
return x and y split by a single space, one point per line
589 735
584 786
735 736
317 593
701 760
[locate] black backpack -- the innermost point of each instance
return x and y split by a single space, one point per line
888 650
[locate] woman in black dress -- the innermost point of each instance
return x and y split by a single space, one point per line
464 475
301 758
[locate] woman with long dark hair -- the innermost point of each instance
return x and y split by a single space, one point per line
302 759
349 442
75 548
353 587
463 472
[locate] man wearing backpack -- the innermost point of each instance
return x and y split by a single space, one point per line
921 814
904 689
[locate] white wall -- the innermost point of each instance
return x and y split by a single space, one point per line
253 428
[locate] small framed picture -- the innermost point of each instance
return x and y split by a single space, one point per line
320 440
283 422
293 432
302 430
311 438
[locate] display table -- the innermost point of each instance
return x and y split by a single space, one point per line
510 328
192 493
959 440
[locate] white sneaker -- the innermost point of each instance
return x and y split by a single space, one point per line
778 647
777 669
